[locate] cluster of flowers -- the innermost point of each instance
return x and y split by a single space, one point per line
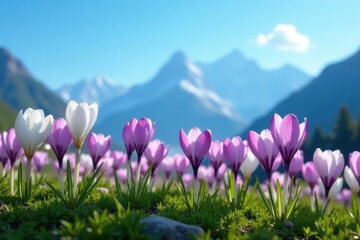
272 148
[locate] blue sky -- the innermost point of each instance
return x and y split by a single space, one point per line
63 41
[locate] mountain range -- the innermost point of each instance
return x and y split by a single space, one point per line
175 98
224 96
251 89
320 101
20 90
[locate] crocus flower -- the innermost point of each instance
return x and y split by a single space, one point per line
68 157
187 178
296 164
80 118
128 137
195 145
215 155
288 135
168 166
354 163
13 150
181 164
119 159
207 174
235 153
98 145
155 153
221 172
249 165
329 165
265 150
334 189
344 196
60 139
122 174
3 154
277 176
11 146
32 128
143 134
351 180
39 160
310 174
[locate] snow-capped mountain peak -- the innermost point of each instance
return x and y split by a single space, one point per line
209 98
99 89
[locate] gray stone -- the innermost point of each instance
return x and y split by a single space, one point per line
167 229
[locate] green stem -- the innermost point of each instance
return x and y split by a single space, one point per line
285 193
61 176
28 179
214 186
3 171
129 176
77 170
138 167
312 200
235 191
196 191
12 180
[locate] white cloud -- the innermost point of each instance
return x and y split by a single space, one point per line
284 37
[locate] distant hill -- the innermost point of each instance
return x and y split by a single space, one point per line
20 90
8 115
320 101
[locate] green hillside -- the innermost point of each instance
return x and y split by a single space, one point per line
7 116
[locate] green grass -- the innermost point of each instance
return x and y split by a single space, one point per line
101 215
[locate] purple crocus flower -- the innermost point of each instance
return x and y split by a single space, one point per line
310 174
195 145
155 153
221 172
296 164
329 165
143 134
181 164
288 135
128 137
98 145
235 153
354 163
3 155
215 155
12 145
265 150
122 174
119 159
207 174
344 196
168 166
60 139
68 157
275 177
39 160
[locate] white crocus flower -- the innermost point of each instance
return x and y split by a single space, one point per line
351 180
249 165
32 129
80 118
